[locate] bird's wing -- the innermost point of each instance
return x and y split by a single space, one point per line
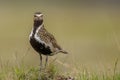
53 41
56 48
49 39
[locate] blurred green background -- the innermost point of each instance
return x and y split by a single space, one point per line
88 30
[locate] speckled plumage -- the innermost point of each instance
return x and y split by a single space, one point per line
49 39
41 40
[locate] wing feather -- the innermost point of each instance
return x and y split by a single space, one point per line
49 39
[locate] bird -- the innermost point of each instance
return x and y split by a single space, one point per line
43 42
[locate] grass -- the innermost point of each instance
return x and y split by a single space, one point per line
22 72
86 76
52 72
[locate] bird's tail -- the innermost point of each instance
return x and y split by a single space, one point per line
63 51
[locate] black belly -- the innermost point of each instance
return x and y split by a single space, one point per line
40 47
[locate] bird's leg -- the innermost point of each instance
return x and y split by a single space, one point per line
46 61
40 67
40 62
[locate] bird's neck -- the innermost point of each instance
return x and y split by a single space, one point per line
37 25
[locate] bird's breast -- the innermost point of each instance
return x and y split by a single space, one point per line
40 47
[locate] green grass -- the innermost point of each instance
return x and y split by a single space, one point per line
86 76
23 72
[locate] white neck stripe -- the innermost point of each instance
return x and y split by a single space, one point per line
35 31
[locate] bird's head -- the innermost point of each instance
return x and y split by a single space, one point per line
38 18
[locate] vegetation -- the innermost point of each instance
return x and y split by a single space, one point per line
23 72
